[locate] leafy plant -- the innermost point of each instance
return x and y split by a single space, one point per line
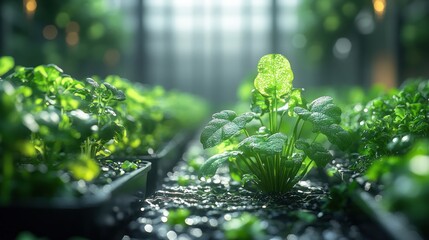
255 143
151 116
405 179
55 129
389 124
76 118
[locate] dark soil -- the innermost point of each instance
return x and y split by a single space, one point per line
299 214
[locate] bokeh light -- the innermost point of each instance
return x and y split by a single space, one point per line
50 32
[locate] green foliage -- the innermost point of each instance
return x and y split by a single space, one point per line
223 126
260 147
406 181
389 124
128 166
245 226
150 116
178 216
6 64
55 124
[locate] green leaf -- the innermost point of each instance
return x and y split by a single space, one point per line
264 145
223 126
259 104
337 135
92 82
321 112
315 152
129 166
118 94
54 67
6 64
292 100
274 77
209 168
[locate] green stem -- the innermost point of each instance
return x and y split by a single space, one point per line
293 138
275 114
246 132
281 120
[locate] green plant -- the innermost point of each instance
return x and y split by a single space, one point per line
76 118
406 180
178 216
53 129
245 226
389 124
151 116
255 143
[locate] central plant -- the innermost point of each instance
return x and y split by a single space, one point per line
266 147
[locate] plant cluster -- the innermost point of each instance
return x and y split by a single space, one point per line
260 146
152 115
55 128
392 150
389 124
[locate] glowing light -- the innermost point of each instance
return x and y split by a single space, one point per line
30 7
50 32
379 7
342 48
72 38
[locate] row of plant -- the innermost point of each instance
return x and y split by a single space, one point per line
56 130
380 143
391 135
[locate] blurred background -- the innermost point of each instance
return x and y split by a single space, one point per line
210 47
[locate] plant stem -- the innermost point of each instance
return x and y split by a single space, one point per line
293 138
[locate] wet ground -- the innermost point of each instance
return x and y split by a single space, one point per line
190 208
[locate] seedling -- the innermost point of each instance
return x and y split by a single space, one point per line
274 157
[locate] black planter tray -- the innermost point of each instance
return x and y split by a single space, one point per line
394 226
162 161
95 215
382 223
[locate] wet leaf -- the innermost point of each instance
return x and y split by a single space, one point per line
315 152
274 77
263 144
209 168
223 126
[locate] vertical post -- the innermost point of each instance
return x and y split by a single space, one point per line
246 51
198 48
168 58
216 81
139 61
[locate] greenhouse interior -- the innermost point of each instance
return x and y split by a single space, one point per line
214 119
